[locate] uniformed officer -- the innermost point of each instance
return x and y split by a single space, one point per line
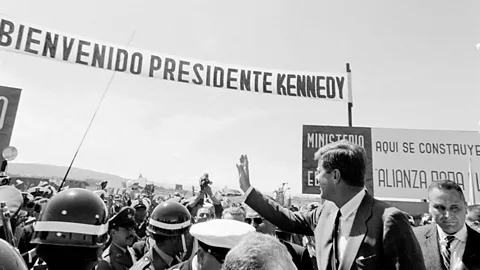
215 238
9 257
119 255
141 206
168 226
71 230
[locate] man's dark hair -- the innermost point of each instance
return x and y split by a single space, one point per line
445 184
348 158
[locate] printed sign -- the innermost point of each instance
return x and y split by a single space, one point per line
402 163
315 137
50 44
9 100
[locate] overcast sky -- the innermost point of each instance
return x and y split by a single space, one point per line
414 64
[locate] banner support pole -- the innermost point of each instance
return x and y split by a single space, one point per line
470 182
350 95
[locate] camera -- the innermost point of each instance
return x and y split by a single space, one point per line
205 181
4 181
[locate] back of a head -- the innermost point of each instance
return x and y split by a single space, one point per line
258 252
235 213
473 212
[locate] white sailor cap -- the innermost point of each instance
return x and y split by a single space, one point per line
221 233
141 202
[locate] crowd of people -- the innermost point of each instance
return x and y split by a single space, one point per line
347 229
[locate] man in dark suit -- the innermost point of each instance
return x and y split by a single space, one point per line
299 254
448 243
352 229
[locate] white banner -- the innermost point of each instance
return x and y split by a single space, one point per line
50 44
405 162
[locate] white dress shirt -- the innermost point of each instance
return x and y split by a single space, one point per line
349 211
457 247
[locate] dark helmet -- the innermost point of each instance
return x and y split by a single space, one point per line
73 217
9 257
169 218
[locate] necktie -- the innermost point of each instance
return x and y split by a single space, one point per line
447 253
334 259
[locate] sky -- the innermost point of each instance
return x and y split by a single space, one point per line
414 65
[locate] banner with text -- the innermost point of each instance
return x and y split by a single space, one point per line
9 100
33 40
403 162
315 137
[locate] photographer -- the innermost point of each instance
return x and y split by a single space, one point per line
198 202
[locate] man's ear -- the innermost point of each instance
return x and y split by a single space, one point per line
336 176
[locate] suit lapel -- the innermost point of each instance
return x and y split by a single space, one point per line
323 236
431 243
357 233
471 255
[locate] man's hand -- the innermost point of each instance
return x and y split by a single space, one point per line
243 173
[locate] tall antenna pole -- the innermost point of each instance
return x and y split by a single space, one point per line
91 121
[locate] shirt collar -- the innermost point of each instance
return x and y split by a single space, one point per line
164 256
460 235
195 263
353 204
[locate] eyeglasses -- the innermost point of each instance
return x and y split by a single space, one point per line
256 220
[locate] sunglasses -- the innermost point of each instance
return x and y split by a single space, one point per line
203 215
256 220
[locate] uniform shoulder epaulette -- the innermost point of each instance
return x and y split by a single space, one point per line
142 264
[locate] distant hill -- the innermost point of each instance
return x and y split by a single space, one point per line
52 171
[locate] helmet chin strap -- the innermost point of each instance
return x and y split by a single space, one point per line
184 243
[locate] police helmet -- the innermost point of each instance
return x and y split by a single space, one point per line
170 219
9 257
73 217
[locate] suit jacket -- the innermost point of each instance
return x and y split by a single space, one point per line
380 238
301 257
428 238
113 258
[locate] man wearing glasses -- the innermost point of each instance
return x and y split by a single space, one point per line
299 254
119 255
